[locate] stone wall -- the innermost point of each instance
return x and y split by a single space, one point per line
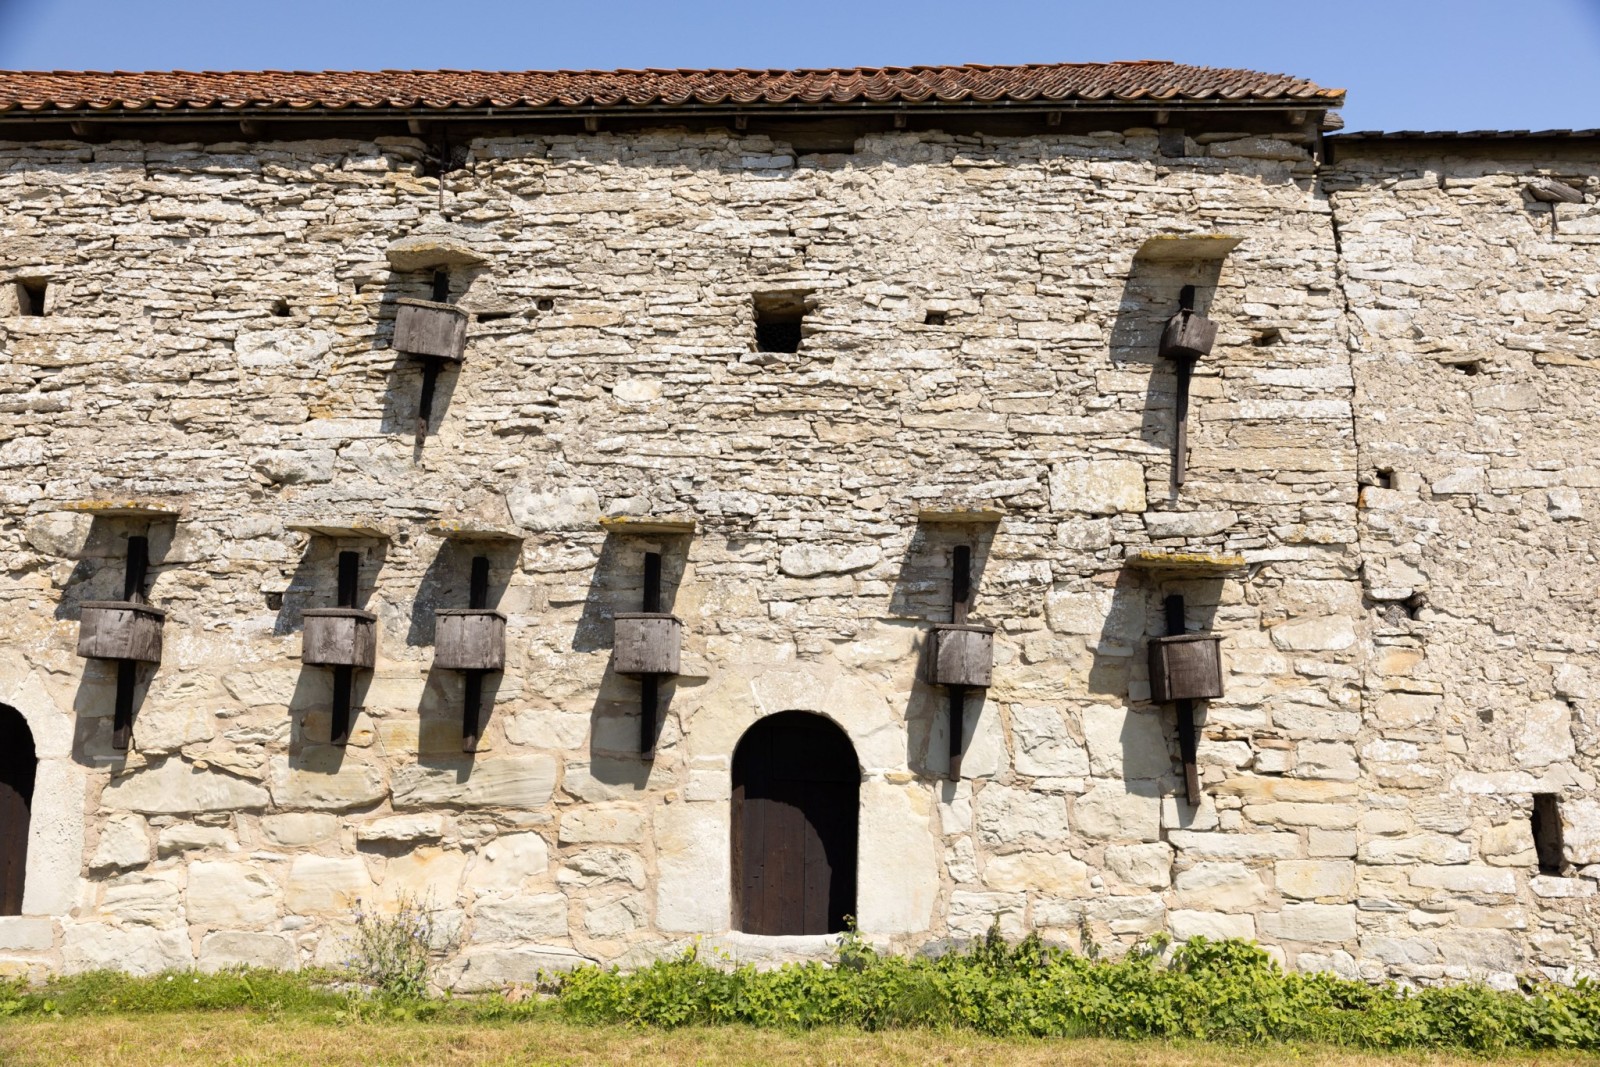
217 339
1474 323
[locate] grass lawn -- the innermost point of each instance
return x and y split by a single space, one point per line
232 1038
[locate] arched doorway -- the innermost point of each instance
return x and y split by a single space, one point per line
17 768
796 787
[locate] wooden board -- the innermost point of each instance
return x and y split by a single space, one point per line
796 792
647 643
114 629
17 768
1185 667
427 328
339 637
469 639
961 655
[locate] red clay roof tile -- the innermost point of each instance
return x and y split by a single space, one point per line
449 90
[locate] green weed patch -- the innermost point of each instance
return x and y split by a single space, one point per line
1227 992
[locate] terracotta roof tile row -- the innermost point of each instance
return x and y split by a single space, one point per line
1155 81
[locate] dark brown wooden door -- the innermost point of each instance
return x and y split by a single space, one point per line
17 766
796 787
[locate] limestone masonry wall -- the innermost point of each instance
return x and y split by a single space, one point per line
216 340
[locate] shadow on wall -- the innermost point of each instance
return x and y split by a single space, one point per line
100 566
315 583
94 706
1150 297
447 582
403 384
923 591
99 573
441 713
1146 746
441 719
617 584
311 720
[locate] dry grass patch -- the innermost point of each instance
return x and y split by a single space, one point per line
252 1040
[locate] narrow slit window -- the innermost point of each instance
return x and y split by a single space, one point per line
30 296
778 318
1547 832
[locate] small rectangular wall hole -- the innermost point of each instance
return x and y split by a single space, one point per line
30 296
778 317
1383 478
936 318
1547 832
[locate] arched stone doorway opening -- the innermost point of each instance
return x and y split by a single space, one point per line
796 794
18 767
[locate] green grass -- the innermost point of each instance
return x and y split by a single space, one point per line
1202 995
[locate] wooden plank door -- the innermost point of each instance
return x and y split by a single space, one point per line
796 790
17 768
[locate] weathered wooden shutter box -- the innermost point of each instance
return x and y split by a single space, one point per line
469 639
1188 336
426 328
339 637
1185 667
120 629
647 642
961 655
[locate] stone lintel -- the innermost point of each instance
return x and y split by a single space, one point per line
1189 564
1187 247
460 530
960 514
353 529
647 524
126 509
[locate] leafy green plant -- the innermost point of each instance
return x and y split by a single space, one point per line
392 954
1229 991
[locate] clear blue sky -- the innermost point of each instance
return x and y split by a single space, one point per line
1408 64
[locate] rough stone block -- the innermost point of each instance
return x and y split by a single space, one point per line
1141 865
225 893
1324 924
692 861
1315 879
174 786
524 782
1211 925
1119 812
1097 487
225 949
327 885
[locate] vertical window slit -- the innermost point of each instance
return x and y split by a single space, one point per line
1547 832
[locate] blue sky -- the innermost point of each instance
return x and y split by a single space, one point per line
1408 64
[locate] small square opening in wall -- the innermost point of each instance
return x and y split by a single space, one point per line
778 318
1547 832
936 318
30 296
